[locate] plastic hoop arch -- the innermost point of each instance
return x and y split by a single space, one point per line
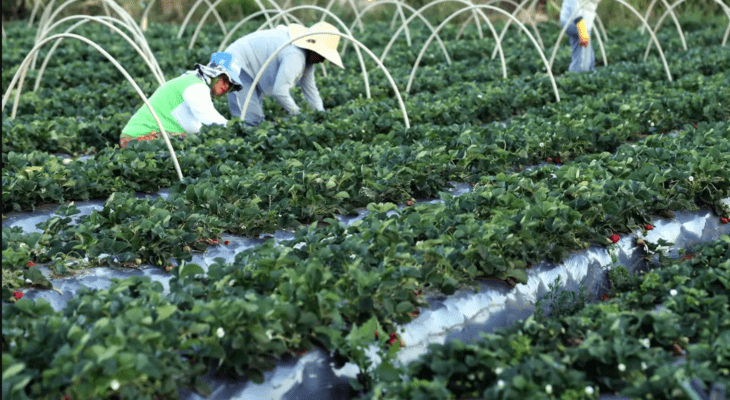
669 11
415 13
116 64
352 5
419 13
101 20
190 14
537 46
345 36
243 21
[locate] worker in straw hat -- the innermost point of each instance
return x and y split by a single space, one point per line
293 65
578 15
185 103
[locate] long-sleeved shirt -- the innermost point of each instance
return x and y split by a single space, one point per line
286 70
183 105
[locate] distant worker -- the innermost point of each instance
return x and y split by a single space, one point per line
294 64
572 15
185 103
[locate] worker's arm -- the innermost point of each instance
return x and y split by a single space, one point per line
200 104
309 89
290 69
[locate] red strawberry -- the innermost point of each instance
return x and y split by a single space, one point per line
649 227
226 242
640 242
66 397
376 335
31 264
18 295
605 297
614 238
214 240
677 350
410 202
557 160
724 220
549 159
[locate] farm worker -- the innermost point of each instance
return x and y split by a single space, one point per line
571 14
185 103
294 64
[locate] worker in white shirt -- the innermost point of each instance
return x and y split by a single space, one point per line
295 64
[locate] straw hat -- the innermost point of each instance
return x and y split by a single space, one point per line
322 44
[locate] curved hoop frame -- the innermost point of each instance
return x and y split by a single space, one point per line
674 17
537 46
670 11
47 18
243 21
36 6
102 20
342 35
121 69
190 14
419 13
352 5
518 7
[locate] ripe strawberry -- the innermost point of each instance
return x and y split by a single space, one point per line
557 160
376 335
605 297
724 220
410 202
614 238
549 159
649 227
640 242
226 242
18 295
31 264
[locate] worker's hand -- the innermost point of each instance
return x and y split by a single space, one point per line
583 37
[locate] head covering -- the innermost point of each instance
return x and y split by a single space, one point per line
221 64
322 44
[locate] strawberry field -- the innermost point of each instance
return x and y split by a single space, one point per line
331 232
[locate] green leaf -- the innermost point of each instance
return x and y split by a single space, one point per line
190 269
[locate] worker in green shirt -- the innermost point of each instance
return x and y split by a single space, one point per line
185 103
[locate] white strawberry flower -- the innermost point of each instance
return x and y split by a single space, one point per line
673 292
220 332
548 389
644 366
542 144
114 384
500 384
621 367
589 390
479 95
691 178
498 370
645 342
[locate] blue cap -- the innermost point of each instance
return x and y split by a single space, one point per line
226 61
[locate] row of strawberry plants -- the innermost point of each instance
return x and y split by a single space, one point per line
622 345
602 126
282 298
581 203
